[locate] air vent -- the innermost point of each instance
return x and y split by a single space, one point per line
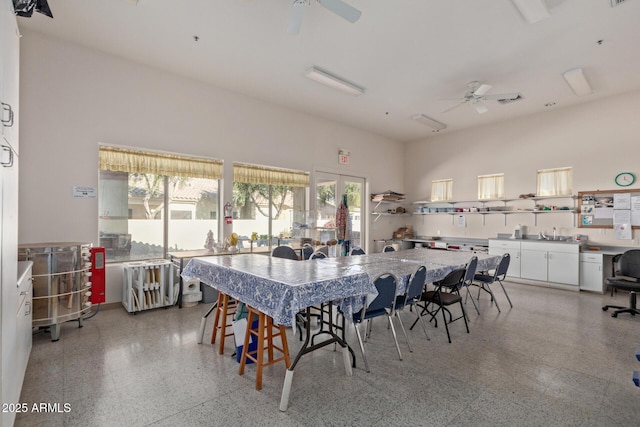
510 100
615 3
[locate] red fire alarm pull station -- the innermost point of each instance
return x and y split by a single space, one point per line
97 276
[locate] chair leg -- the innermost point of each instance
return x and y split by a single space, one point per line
361 344
406 337
424 328
395 337
464 316
446 326
474 303
505 292
493 297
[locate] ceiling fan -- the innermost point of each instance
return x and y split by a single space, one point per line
477 93
338 7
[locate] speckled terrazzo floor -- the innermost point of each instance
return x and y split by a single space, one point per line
554 359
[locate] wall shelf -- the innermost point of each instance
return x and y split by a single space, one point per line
378 213
494 206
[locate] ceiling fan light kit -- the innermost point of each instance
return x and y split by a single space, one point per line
578 82
326 78
532 10
428 121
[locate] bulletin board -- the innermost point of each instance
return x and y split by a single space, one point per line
615 209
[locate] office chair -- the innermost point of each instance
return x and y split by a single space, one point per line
627 278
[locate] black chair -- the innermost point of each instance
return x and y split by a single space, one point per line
382 305
284 252
318 255
410 299
357 251
307 250
446 293
626 278
484 280
470 273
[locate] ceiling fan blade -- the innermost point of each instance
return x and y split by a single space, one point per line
342 9
455 106
482 90
480 107
502 96
296 17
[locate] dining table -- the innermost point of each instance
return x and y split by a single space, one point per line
283 288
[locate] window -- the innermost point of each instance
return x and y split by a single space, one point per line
267 201
137 188
491 186
442 190
555 182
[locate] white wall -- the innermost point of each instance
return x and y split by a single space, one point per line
72 98
598 139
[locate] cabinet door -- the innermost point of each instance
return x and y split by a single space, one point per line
9 74
563 268
533 265
591 278
514 264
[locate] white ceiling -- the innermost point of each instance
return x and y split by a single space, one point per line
408 54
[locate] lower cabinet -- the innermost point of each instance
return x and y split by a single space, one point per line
591 272
512 247
551 262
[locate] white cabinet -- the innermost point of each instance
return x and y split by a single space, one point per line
550 262
591 272
23 320
9 73
10 378
512 247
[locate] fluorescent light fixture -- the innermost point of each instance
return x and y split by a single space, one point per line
333 81
578 82
428 121
532 10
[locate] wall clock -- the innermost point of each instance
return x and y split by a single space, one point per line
625 179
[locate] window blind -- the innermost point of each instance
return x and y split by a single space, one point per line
136 161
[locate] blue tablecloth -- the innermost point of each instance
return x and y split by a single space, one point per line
281 288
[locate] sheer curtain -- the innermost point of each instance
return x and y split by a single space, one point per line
491 186
442 190
555 182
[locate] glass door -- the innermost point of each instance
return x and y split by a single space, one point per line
331 189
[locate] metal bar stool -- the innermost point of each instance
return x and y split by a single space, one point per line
265 333
226 309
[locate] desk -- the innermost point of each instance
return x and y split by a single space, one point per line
281 288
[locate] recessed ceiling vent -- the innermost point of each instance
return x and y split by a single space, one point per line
510 100
615 3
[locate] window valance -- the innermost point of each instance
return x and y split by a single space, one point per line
256 174
136 161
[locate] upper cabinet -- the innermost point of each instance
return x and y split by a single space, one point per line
9 74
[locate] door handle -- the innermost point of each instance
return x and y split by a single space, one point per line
9 121
9 162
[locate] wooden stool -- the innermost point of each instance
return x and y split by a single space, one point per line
265 332
226 308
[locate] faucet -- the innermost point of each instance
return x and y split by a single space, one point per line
554 233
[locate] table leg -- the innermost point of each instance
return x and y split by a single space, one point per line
203 322
181 284
306 348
